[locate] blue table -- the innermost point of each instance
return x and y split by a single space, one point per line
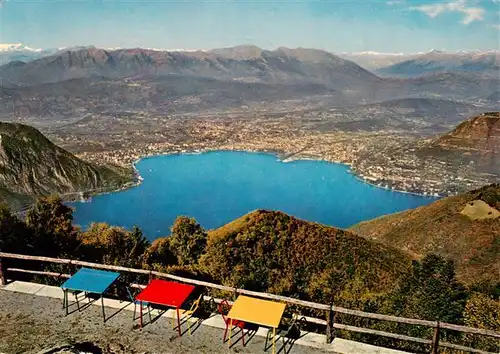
91 281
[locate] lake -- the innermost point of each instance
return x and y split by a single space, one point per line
218 187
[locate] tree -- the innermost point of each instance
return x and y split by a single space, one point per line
432 292
106 244
187 240
14 236
482 311
51 223
159 254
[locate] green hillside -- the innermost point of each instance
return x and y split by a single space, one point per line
271 251
457 227
32 166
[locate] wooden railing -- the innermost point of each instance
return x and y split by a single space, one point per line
435 343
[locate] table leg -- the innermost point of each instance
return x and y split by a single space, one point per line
230 331
140 312
76 299
178 321
274 340
66 300
102 305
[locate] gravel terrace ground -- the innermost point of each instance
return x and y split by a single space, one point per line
30 324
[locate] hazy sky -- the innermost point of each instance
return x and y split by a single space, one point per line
334 25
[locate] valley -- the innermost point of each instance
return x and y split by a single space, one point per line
115 106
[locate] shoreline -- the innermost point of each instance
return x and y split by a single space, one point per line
278 155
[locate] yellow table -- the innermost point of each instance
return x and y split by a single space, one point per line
261 312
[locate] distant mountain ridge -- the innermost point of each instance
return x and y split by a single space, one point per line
280 66
81 80
373 60
436 61
32 166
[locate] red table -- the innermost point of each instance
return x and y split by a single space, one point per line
166 293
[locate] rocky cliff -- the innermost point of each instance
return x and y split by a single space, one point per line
480 133
473 144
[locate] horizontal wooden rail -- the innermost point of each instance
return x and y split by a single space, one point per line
465 329
73 262
377 316
381 333
436 325
407 338
38 272
461 347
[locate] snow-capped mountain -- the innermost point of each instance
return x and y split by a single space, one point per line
371 60
486 62
17 47
20 52
388 63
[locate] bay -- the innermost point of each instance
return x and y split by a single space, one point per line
218 187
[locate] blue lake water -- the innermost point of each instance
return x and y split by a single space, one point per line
218 187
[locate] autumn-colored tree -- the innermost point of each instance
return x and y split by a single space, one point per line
51 223
482 311
102 243
159 255
187 240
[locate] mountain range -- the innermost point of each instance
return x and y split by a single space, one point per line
373 60
292 66
96 80
370 60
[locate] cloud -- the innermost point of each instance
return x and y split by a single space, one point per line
394 2
470 13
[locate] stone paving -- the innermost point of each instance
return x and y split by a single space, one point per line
33 321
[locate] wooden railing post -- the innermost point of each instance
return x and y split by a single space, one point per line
435 339
329 326
3 276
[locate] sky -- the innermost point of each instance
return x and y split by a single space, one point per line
403 26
